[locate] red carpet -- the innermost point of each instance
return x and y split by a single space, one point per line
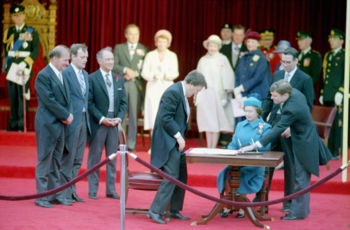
17 165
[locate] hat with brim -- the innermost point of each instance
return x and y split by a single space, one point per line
336 33
282 46
252 35
214 39
252 101
303 35
17 9
163 33
266 34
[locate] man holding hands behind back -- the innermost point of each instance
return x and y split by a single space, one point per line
107 107
168 144
51 118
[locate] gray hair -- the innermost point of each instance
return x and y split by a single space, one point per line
195 78
99 54
75 47
57 51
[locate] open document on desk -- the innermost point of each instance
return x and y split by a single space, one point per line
211 151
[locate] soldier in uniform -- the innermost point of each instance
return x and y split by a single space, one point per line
333 87
21 45
267 48
310 61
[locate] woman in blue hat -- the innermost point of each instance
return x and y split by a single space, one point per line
247 132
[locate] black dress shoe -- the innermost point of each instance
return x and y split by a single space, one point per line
93 196
290 217
177 215
113 195
240 215
156 217
224 213
44 204
76 198
62 202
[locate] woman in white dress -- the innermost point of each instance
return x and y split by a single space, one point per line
214 110
159 70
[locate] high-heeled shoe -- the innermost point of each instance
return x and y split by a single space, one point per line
240 214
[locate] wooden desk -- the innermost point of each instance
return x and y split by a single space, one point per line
267 159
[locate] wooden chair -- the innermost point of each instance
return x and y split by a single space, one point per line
323 118
146 181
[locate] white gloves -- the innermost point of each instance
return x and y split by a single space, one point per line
238 91
321 100
338 98
22 65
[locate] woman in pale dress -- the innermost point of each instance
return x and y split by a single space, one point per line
159 70
214 110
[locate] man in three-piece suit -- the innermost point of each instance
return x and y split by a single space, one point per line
107 107
168 144
303 82
128 61
51 120
296 123
76 135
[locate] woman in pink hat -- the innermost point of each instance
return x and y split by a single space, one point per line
159 70
214 111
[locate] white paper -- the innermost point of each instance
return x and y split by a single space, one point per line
213 151
237 107
12 74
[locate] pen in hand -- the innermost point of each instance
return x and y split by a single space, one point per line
253 143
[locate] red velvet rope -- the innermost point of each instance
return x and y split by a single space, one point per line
58 189
235 203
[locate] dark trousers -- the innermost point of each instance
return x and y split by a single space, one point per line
73 155
105 137
47 175
300 206
16 105
167 191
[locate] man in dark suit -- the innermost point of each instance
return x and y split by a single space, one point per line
296 123
298 80
226 36
21 46
333 87
128 61
238 47
51 118
107 108
168 144
76 135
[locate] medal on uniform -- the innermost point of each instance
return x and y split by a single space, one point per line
256 58
306 62
25 44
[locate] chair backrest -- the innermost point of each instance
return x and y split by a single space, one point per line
323 118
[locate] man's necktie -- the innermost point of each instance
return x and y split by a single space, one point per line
82 82
287 76
132 51
59 75
109 83
331 56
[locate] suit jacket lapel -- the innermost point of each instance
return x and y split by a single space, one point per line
126 52
183 98
74 78
101 82
58 82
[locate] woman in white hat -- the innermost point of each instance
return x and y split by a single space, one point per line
214 111
159 70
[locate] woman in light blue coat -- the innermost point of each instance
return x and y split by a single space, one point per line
247 131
